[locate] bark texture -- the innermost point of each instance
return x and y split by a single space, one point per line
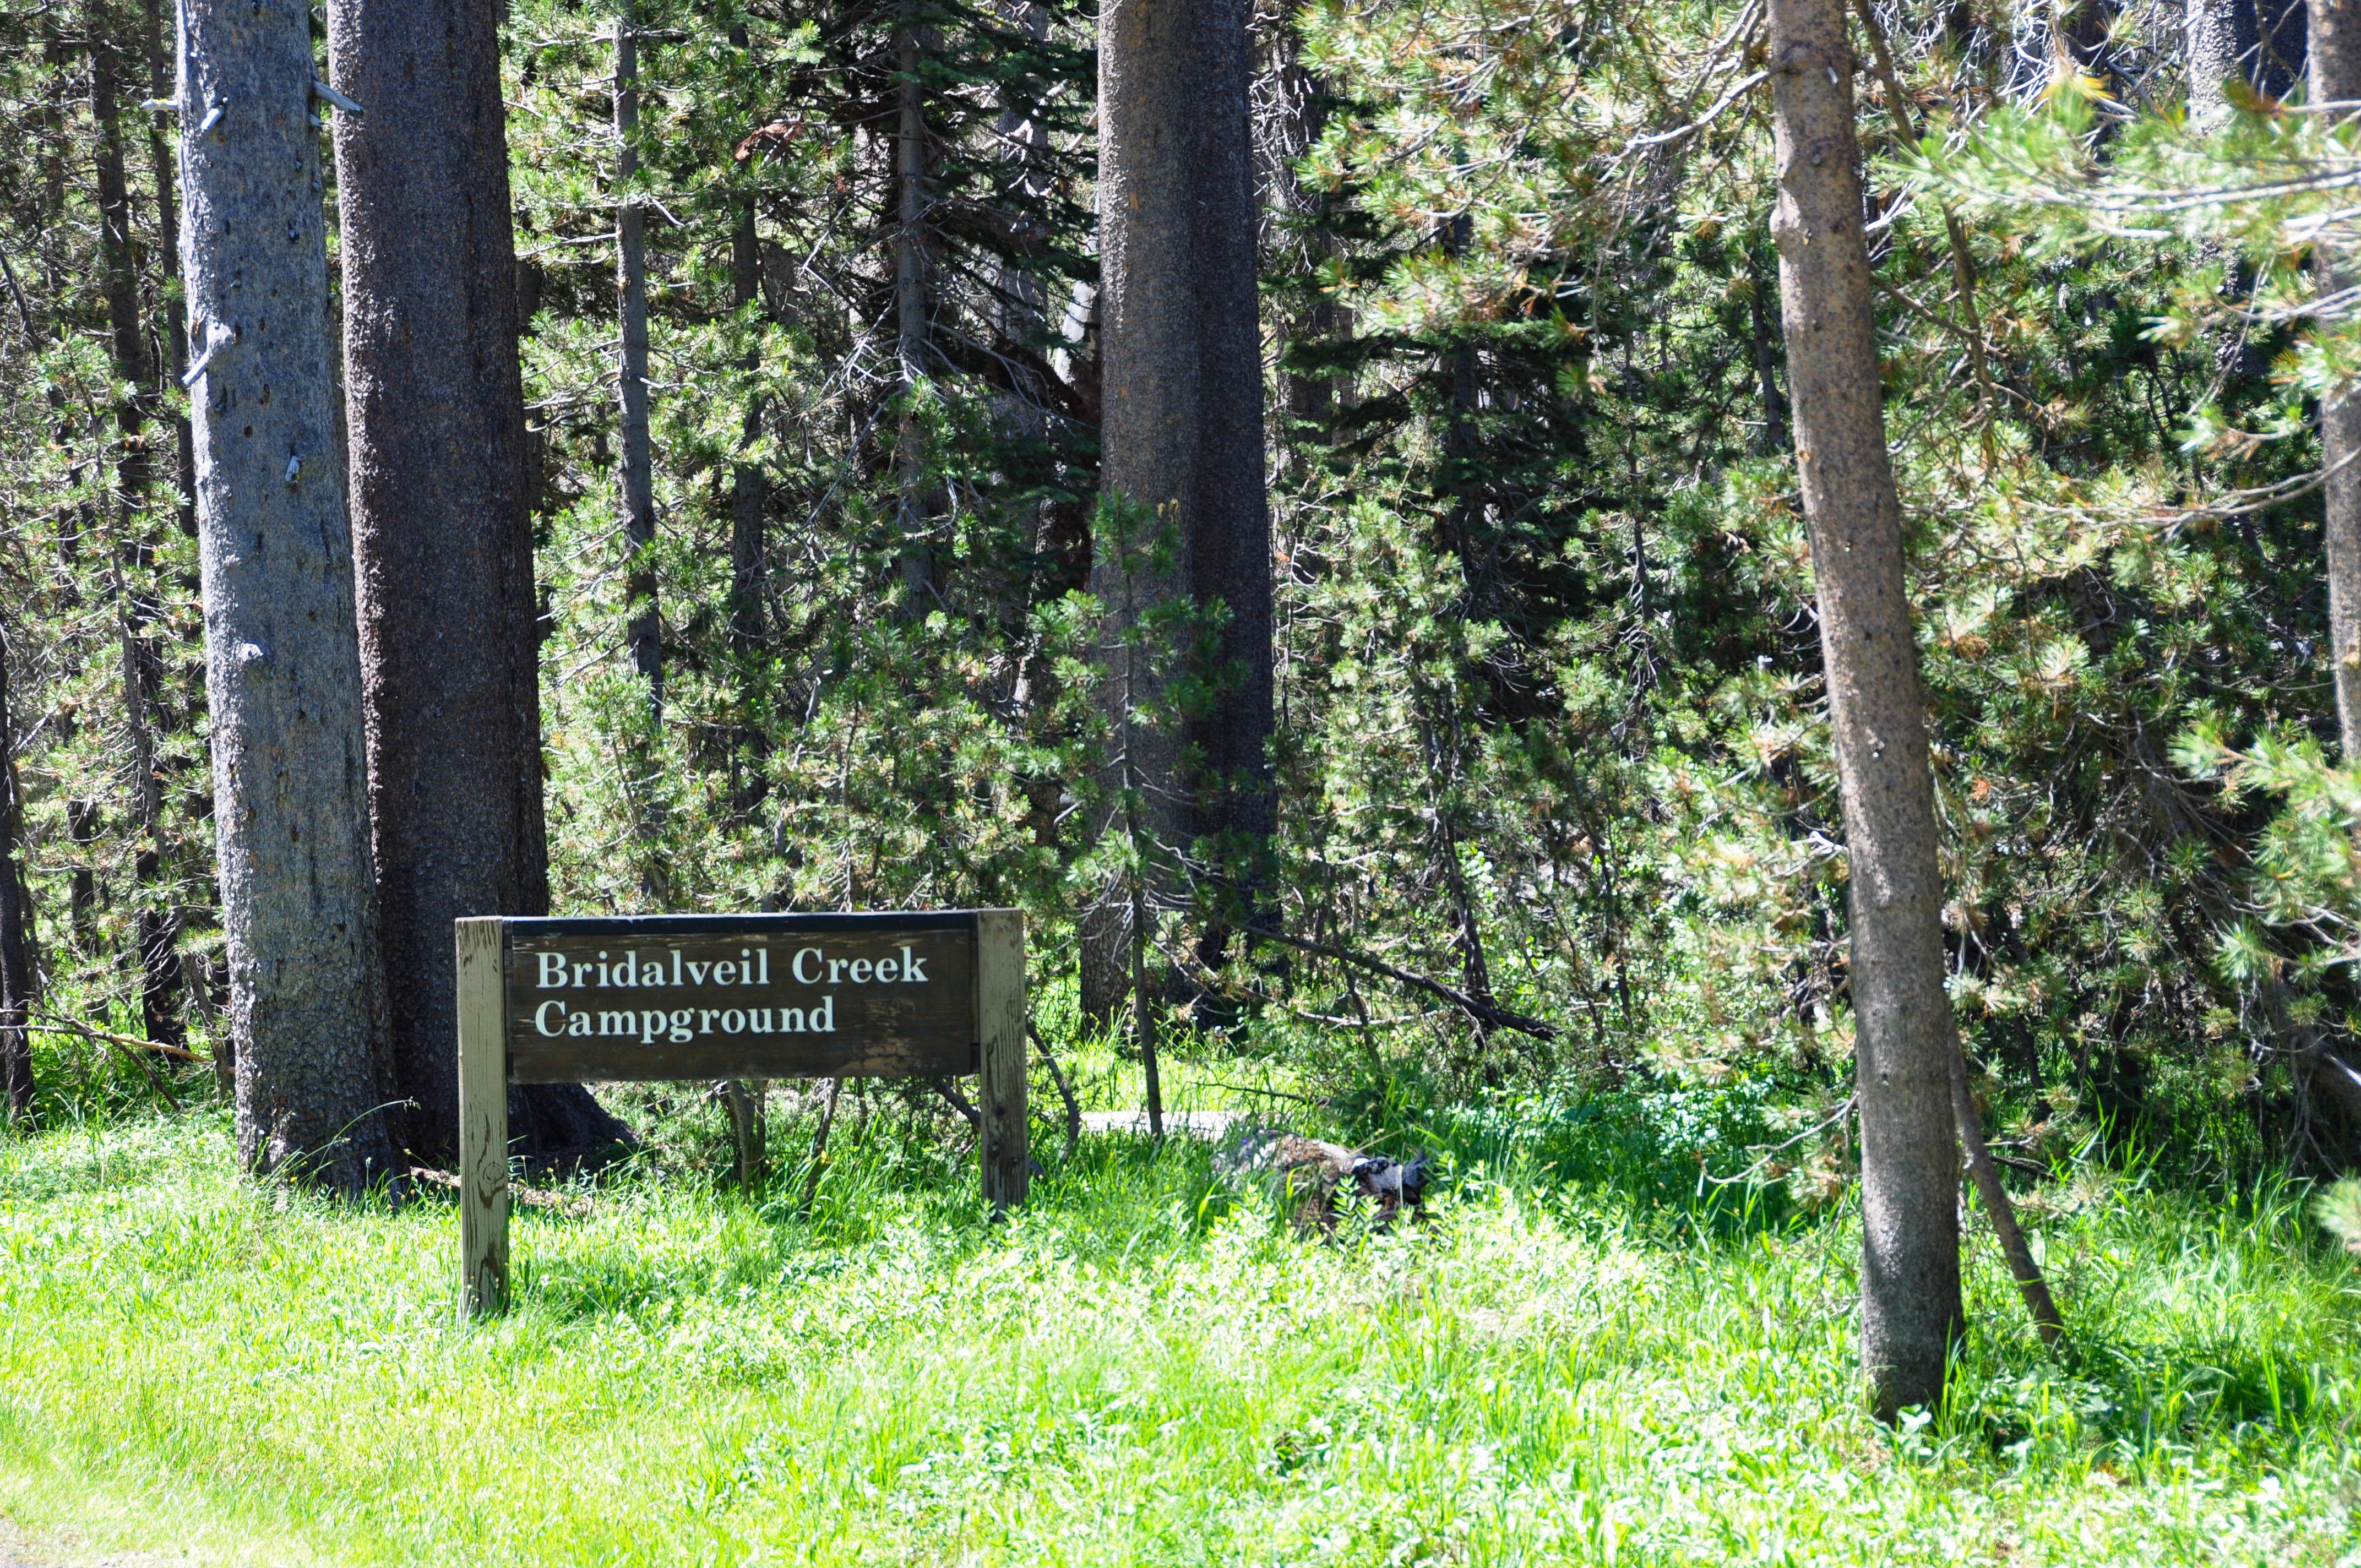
2335 66
442 530
1905 1040
282 656
2261 42
1181 432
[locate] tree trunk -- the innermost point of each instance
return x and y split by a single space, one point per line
442 534
2260 43
631 282
2335 66
912 323
1182 437
1905 1035
15 923
749 502
156 932
168 233
282 656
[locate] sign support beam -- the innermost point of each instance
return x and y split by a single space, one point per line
1000 1034
483 1120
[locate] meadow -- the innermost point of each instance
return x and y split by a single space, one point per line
1576 1356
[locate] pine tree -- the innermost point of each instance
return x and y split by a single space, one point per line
283 653
1905 1039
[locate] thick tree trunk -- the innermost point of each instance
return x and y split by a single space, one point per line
155 931
282 656
1181 436
1905 1035
15 923
442 534
2260 43
2336 65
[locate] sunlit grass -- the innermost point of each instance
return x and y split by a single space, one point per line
1142 1368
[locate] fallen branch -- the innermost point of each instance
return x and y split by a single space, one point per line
125 1043
959 1103
1065 1093
1986 1176
573 1207
72 1026
1270 1093
1482 1011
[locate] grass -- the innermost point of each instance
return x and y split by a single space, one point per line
1568 1363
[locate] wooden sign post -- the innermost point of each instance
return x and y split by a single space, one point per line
931 994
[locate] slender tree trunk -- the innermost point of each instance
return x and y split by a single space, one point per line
282 655
15 923
442 532
1906 1040
1774 437
168 232
2335 63
912 326
156 932
1182 434
748 1138
631 283
749 500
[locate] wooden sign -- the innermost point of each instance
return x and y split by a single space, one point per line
925 994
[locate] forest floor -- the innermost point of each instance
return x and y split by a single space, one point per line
1147 1367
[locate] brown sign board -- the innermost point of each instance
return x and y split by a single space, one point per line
696 996
930 994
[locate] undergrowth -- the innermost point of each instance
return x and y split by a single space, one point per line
1582 1354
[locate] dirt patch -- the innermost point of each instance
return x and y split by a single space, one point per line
19 1550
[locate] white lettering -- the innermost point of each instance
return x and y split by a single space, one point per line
725 973
912 969
553 971
732 1022
860 971
540 1015
577 1024
696 973
823 1017
801 978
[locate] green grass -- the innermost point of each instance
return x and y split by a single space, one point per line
1143 1368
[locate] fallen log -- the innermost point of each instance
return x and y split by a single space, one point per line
572 1206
